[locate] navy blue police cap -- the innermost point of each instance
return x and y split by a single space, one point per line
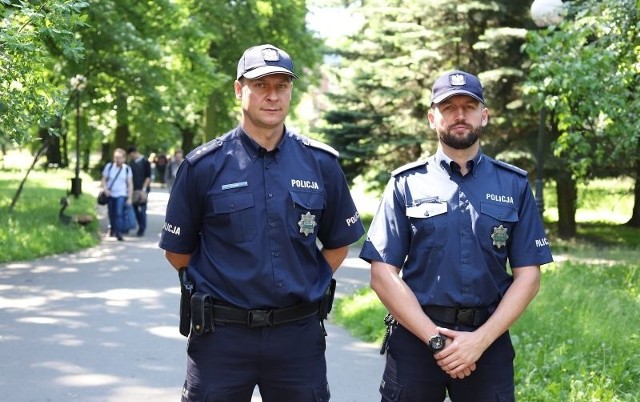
456 82
258 61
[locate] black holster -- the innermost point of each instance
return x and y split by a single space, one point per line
327 301
201 313
186 290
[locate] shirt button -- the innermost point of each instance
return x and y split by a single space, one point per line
270 195
272 224
280 284
233 206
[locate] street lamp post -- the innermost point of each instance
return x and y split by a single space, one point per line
544 13
78 83
540 162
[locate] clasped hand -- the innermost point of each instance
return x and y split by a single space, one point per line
462 351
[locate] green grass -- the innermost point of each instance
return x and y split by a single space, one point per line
33 228
579 340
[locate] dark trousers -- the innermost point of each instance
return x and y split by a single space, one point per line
286 362
412 375
141 216
115 207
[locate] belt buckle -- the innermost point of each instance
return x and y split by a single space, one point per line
466 316
259 318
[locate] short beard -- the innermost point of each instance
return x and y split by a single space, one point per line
457 142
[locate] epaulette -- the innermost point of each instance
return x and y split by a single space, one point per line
319 145
409 166
510 167
205 149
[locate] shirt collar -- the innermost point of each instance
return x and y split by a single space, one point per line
255 150
451 166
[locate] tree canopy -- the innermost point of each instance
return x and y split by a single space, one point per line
586 72
35 40
157 71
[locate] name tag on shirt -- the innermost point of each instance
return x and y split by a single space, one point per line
427 209
234 185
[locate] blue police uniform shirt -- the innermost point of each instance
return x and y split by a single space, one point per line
452 235
251 219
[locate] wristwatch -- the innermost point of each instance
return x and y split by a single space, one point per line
436 343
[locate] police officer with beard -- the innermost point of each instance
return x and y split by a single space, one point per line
449 225
244 217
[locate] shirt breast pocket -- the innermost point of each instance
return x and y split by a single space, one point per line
495 224
305 213
235 215
429 223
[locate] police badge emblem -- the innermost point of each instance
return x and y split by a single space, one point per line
457 80
307 223
270 54
499 236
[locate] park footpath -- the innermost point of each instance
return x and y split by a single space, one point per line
102 325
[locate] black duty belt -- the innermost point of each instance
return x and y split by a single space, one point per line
263 318
470 317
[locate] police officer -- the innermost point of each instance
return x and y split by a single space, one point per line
244 215
449 225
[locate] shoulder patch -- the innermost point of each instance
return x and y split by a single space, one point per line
510 167
319 145
409 166
205 149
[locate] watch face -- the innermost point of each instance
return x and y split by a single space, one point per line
436 342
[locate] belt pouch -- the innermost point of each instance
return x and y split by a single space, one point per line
201 313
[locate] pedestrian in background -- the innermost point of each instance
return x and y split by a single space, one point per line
161 161
152 162
118 186
141 172
450 224
245 216
172 168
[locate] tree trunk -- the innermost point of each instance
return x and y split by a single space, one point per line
188 135
106 155
211 123
53 154
64 131
87 144
122 121
635 215
567 192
